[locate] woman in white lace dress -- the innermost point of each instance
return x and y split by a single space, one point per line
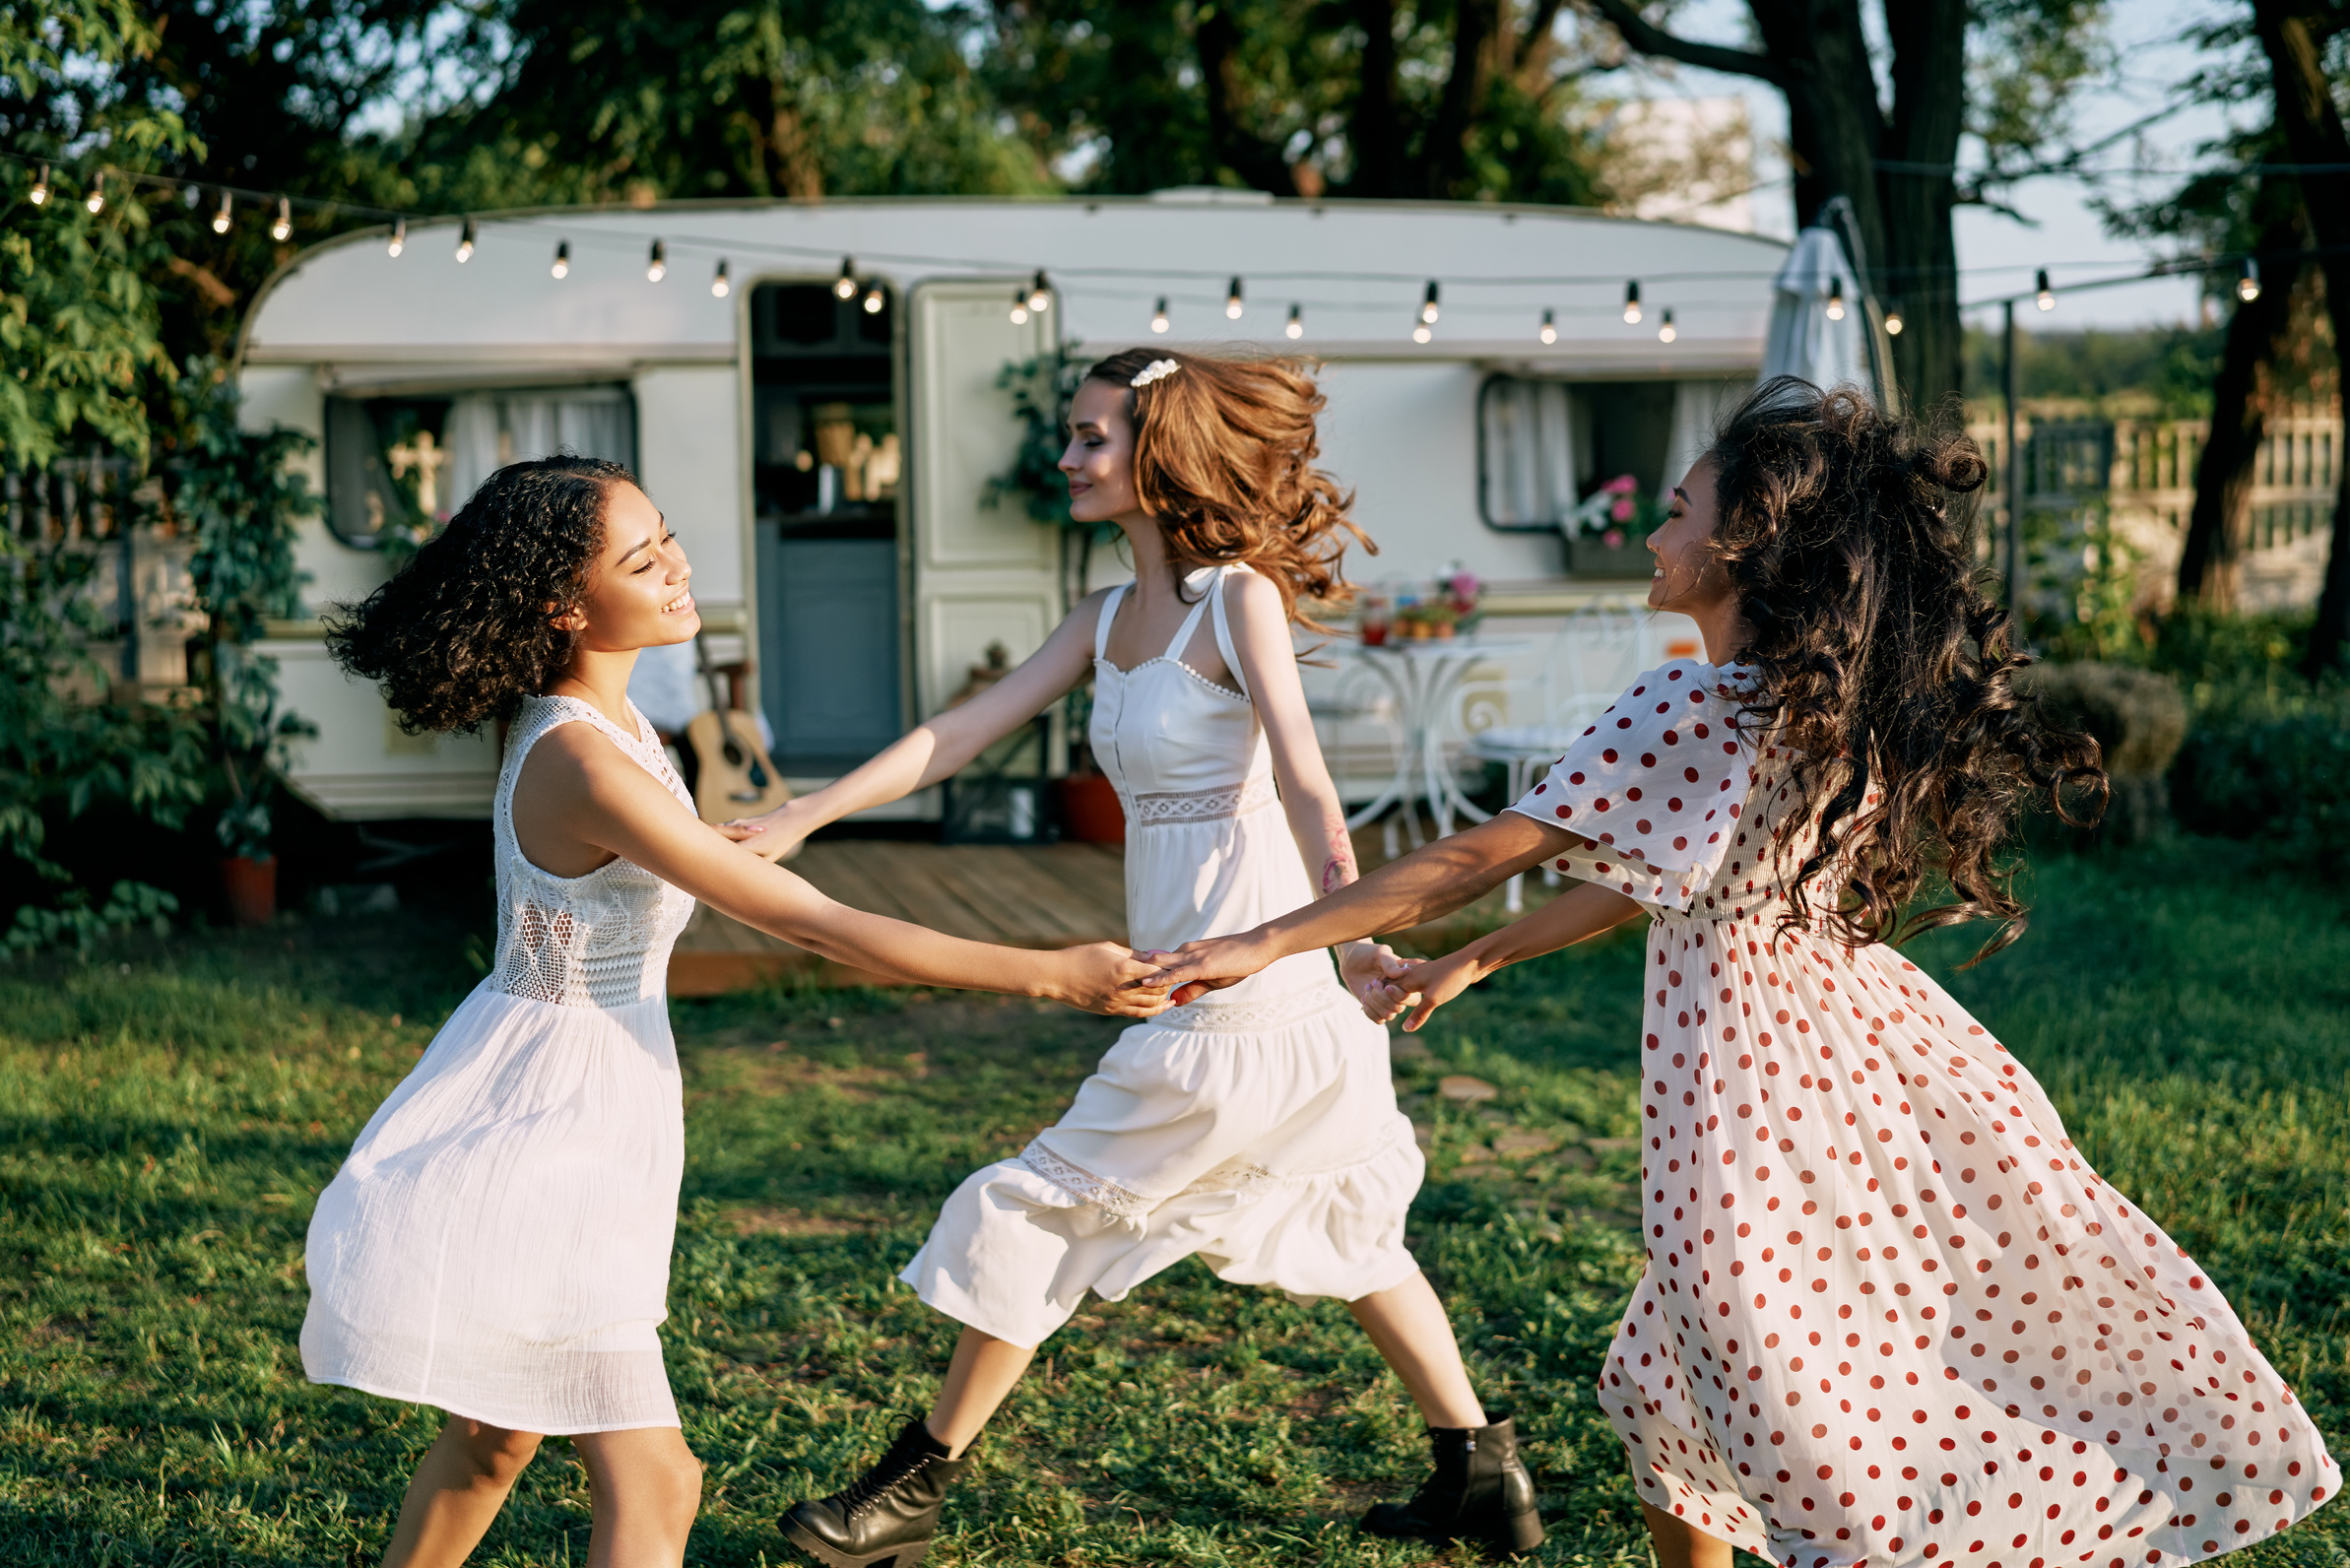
1257 1132
498 1243
1890 1316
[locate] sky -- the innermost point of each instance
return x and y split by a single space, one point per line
1999 255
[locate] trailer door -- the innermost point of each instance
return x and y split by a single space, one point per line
979 574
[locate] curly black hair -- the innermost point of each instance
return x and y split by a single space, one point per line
466 630
1850 539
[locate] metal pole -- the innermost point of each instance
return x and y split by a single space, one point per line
2015 481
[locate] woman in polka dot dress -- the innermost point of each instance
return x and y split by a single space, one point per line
1890 1317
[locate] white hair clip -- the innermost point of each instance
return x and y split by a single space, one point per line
1155 371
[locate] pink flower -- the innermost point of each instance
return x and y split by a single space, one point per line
1621 485
1613 538
1621 509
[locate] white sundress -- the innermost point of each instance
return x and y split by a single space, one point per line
497 1242
1890 1316
1256 1129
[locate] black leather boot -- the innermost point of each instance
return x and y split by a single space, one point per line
884 1518
1480 1492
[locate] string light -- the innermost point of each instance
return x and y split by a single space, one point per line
563 259
1666 331
1158 318
844 287
1421 332
1297 322
1835 299
465 245
283 226
399 237
720 285
1019 308
1232 305
1040 294
220 219
1549 332
96 202
40 193
1429 306
873 300
656 265
2248 281
2042 296
1893 321
1632 304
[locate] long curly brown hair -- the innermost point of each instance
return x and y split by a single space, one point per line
1224 452
1849 539
466 630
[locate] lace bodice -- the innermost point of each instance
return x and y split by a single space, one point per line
597 941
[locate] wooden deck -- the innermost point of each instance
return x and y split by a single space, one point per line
1050 896
1047 896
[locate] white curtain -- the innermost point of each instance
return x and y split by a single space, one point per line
1697 408
486 430
1530 452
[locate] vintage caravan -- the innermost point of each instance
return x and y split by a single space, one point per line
812 393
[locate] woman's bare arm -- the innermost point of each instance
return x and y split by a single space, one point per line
1579 914
578 793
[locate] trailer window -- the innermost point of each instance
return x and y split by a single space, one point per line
1545 446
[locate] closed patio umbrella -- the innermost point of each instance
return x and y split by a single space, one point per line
1824 327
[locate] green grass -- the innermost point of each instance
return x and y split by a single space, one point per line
168 1115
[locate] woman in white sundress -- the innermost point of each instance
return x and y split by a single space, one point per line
1890 1315
1257 1132
498 1243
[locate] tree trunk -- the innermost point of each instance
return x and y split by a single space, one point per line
1374 133
2215 529
2294 40
1258 163
1919 267
1477 27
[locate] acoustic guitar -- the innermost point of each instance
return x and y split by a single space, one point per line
732 774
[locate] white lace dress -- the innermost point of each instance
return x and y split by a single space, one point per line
1890 1317
498 1243
1257 1129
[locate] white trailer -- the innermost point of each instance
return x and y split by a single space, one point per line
824 452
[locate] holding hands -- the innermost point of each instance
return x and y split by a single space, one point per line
776 833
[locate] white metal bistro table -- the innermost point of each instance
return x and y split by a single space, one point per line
1425 677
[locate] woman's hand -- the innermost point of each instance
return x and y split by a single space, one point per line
1370 970
1213 964
773 835
1437 982
1106 977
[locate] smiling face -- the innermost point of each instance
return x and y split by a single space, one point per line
636 595
1099 459
1689 577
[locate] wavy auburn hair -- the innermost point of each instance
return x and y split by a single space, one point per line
1225 453
1848 537
466 630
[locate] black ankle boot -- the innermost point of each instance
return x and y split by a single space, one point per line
1480 1492
884 1518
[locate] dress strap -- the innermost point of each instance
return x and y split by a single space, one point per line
1223 629
1190 622
1109 612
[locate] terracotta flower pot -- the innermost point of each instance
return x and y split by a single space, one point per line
1090 804
252 889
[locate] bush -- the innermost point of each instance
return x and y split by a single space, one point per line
2138 719
2270 760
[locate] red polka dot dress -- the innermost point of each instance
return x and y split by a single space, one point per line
1890 1316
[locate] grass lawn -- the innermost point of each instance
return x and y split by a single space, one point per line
170 1111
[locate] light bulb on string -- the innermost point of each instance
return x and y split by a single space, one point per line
844 287
1040 294
1421 332
2248 281
220 218
97 199
1549 332
1632 304
1232 305
720 285
1297 322
465 242
1158 318
656 265
283 226
1666 331
563 259
1428 310
1893 321
1835 299
873 300
1019 308
2042 294
40 193
399 241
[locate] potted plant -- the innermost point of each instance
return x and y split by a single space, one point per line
1606 535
